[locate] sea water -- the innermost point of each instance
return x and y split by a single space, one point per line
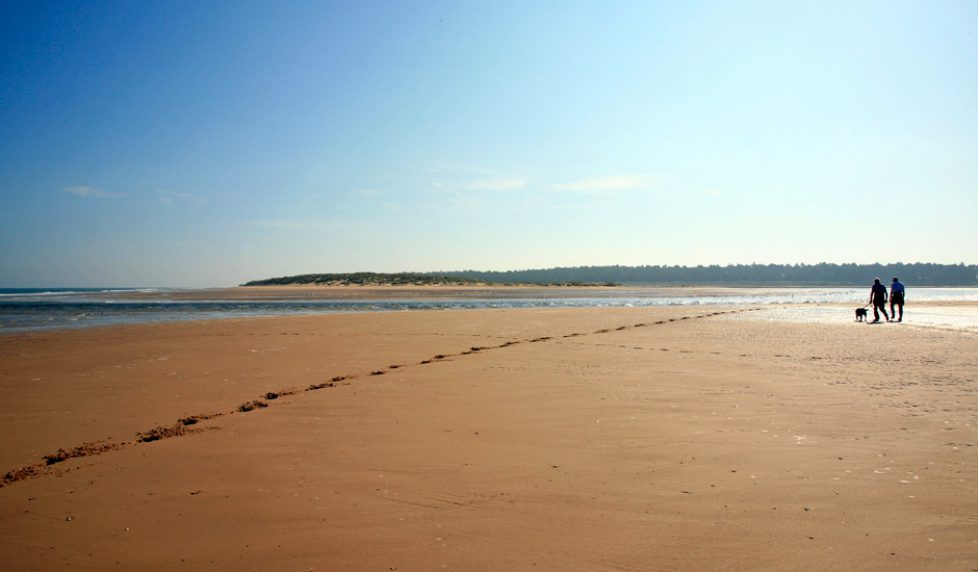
39 309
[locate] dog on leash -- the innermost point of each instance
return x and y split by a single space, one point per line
861 314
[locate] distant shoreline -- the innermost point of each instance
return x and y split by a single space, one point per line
411 292
771 275
444 291
74 310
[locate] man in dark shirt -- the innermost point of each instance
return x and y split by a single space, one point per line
896 299
877 297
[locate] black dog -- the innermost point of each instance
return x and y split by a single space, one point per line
861 314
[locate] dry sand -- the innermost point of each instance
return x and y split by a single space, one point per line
572 439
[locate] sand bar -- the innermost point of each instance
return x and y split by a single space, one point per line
548 439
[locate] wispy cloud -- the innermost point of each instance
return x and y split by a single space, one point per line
454 168
614 183
458 176
293 224
495 184
87 192
168 197
373 199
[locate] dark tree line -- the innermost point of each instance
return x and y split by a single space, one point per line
822 274
364 279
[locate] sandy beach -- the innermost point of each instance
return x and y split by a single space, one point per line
660 438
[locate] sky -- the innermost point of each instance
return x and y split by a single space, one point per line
203 143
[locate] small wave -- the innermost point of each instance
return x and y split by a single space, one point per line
16 294
43 293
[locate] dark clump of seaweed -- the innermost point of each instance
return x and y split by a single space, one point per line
316 386
82 450
21 474
195 419
251 406
161 432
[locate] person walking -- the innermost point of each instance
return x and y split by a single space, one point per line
896 298
877 297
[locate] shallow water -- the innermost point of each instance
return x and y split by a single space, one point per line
39 309
957 318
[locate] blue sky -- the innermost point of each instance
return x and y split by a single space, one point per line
211 143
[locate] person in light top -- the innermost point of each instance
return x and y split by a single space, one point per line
896 298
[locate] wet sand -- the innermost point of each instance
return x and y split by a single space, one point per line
663 438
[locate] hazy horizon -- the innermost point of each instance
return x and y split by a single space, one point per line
449 272
207 144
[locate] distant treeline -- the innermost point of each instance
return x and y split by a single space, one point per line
822 274
366 279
